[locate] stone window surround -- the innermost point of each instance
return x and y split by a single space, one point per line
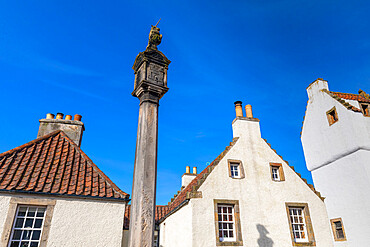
281 171
13 205
241 168
328 113
237 227
309 228
334 230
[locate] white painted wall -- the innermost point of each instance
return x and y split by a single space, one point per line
176 230
338 156
261 200
322 143
79 222
4 206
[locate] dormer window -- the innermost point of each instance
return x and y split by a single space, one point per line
365 109
236 169
332 116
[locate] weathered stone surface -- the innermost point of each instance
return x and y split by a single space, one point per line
72 128
150 85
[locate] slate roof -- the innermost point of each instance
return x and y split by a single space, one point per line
54 164
160 212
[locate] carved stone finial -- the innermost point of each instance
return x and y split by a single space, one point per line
155 38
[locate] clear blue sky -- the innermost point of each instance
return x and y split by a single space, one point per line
76 57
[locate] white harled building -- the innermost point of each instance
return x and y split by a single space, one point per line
248 196
336 143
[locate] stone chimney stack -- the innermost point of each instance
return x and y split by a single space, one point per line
248 126
72 128
187 177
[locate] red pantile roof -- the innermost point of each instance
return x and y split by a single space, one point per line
340 97
350 96
54 164
191 190
160 212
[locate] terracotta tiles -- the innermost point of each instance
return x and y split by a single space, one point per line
54 164
197 181
160 212
350 96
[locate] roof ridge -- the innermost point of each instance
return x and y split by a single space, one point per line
96 168
30 143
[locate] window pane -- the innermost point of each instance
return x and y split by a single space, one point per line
40 212
231 234
230 217
225 217
224 210
36 235
38 223
19 223
34 244
14 244
26 235
31 212
340 234
29 223
22 211
338 224
230 209
24 244
17 234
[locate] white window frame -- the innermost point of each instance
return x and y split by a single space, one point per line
235 170
224 223
31 229
275 173
298 222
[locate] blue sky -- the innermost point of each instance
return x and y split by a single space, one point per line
76 57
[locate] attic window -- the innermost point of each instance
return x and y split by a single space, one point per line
332 116
277 173
365 109
338 230
236 169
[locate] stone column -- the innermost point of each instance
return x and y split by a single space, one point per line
150 85
144 184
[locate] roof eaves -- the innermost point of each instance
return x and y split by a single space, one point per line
65 195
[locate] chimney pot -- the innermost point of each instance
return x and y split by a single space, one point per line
238 109
59 115
68 117
49 116
187 169
248 111
194 170
77 117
